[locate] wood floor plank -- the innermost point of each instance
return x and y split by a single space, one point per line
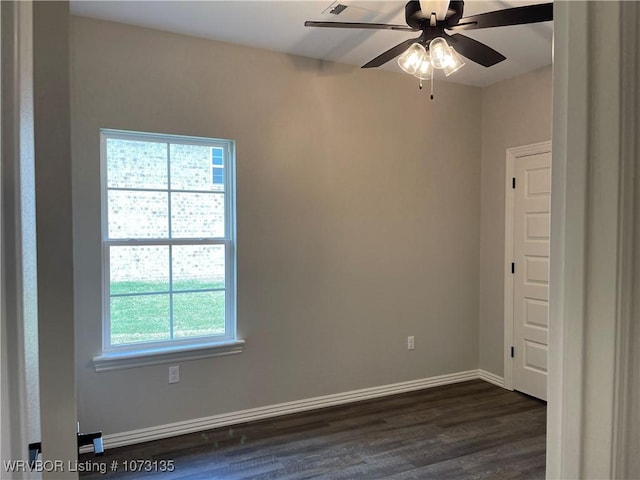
469 430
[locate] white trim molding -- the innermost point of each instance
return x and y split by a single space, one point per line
19 384
626 427
142 358
567 248
492 378
591 431
513 154
148 434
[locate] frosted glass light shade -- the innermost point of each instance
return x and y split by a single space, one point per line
412 58
454 64
424 70
439 51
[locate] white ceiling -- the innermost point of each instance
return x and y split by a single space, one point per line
279 26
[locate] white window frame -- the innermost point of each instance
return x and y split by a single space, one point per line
148 353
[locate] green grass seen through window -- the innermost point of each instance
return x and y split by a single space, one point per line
144 318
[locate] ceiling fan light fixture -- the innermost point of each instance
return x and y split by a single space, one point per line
440 53
454 63
433 17
412 58
424 70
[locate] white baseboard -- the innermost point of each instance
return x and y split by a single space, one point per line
491 378
113 440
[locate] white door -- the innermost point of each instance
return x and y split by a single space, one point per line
531 207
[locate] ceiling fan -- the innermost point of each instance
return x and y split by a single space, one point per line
434 18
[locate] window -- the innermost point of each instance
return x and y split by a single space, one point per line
217 164
168 241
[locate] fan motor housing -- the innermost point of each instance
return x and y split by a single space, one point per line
416 18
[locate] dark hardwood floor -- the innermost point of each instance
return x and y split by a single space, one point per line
470 430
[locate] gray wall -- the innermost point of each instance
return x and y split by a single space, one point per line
52 132
515 112
358 220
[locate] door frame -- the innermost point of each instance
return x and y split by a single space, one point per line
513 154
18 320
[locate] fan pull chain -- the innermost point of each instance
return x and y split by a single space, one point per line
420 84
431 86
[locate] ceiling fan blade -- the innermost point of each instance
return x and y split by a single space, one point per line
475 51
391 53
371 26
509 16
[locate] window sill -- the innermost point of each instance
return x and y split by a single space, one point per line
142 358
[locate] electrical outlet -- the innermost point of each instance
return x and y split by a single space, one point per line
174 374
410 343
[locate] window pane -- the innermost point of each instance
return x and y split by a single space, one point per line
197 267
218 176
138 214
217 156
141 318
139 269
191 168
197 215
198 314
135 164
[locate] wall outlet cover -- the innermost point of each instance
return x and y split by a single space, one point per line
174 374
411 343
